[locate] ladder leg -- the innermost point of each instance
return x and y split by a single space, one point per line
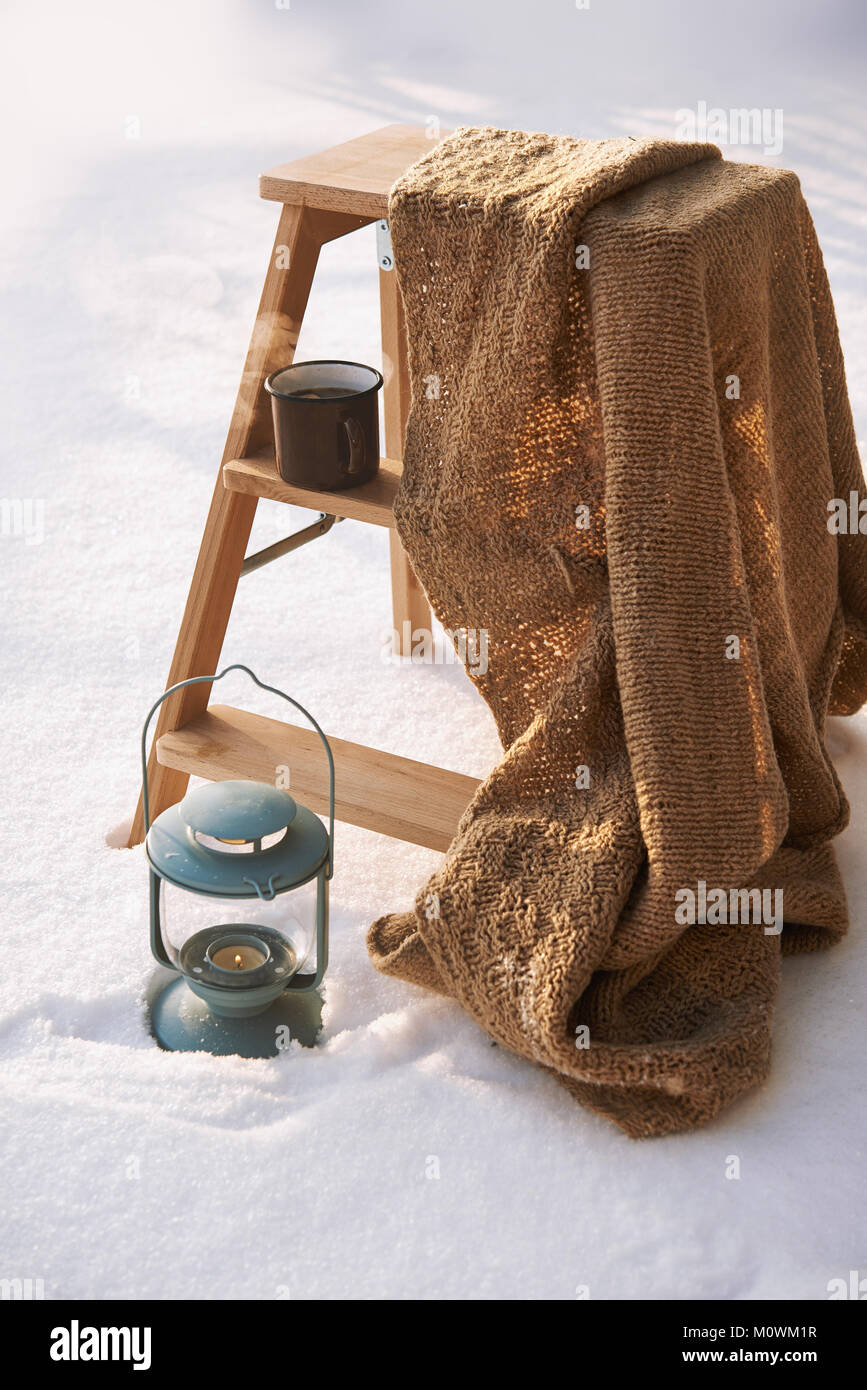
410 607
300 235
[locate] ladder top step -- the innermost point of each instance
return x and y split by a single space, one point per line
354 177
371 501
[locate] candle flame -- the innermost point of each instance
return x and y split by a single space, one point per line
238 962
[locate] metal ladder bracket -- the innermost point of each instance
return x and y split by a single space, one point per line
384 248
290 543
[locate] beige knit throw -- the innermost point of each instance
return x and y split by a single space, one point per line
629 418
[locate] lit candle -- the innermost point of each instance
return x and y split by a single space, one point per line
238 955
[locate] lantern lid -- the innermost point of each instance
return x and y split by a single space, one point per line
237 810
177 854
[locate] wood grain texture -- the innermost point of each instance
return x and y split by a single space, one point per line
379 791
410 608
353 177
371 502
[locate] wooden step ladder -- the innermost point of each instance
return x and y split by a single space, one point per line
323 196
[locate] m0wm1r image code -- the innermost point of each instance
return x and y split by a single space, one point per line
769 1355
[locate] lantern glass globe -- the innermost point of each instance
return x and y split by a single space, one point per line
291 915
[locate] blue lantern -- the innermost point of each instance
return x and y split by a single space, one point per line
239 875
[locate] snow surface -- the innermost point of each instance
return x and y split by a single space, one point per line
130 270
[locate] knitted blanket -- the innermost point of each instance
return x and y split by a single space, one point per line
629 420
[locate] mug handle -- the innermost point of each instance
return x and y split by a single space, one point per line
356 446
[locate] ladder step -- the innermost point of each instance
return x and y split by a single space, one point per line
352 177
379 791
371 501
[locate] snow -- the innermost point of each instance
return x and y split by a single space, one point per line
405 1157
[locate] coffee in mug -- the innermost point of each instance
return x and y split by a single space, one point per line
326 423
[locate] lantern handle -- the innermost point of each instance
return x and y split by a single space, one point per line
272 689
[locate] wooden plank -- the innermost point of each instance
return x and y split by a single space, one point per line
353 177
372 502
410 608
230 518
379 791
